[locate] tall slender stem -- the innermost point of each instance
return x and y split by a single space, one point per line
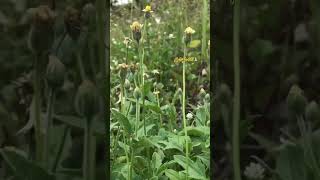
184 109
37 109
236 100
50 109
60 150
137 116
89 152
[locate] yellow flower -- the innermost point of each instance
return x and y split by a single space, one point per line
189 30
136 26
147 9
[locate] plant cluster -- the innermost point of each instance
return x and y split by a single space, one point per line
160 110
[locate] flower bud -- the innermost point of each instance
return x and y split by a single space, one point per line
313 112
136 30
55 72
137 93
224 94
207 97
179 91
127 84
72 21
296 101
88 13
41 35
87 100
202 93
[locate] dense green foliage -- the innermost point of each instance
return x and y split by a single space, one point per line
150 136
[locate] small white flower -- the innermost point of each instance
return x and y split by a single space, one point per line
171 36
189 116
254 171
204 72
158 20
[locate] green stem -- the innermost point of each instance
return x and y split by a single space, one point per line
89 152
122 98
137 116
37 109
60 150
184 110
236 101
142 77
204 30
160 117
80 65
50 109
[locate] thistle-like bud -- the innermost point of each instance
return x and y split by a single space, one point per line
55 72
202 93
72 21
207 97
41 35
296 101
313 112
87 100
88 13
127 84
123 68
136 30
224 94
179 91
137 93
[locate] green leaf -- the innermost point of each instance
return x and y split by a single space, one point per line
194 44
77 122
22 167
196 170
290 164
173 175
123 120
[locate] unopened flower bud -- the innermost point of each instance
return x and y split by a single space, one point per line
224 94
72 21
41 34
207 97
87 100
55 72
127 84
296 101
313 112
137 93
202 93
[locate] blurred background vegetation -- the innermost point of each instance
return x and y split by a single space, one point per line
279 44
75 41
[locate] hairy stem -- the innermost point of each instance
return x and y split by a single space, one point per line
236 101
184 110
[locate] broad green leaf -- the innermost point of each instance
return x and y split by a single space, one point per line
123 121
22 167
173 175
195 170
290 164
